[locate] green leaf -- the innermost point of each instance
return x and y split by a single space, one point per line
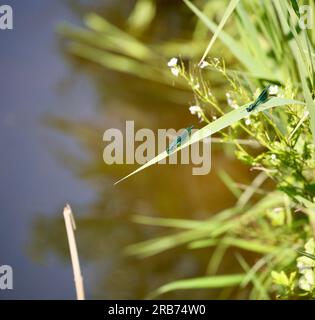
295 7
280 278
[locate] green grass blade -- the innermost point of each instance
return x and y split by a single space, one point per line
210 282
206 243
216 226
308 99
120 37
232 5
142 16
213 127
248 28
251 189
117 62
248 245
216 258
306 254
167 222
255 280
242 55
229 183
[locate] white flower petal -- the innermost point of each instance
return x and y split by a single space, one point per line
194 109
172 62
247 122
304 285
175 71
273 90
204 64
309 276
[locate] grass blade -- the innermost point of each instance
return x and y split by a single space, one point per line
232 5
213 127
237 50
210 282
306 254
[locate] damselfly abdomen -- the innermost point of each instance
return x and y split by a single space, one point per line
179 140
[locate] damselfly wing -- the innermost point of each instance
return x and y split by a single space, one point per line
262 98
179 140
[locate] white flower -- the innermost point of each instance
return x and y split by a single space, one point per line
203 64
273 157
307 281
214 118
304 264
247 122
304 284
172 62
309 276
196 110
175 71
273 90
174 67
306 267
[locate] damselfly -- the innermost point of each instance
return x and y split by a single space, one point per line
179 140
262 98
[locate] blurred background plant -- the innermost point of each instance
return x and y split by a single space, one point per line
247 246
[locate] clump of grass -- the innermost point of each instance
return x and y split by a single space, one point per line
281 221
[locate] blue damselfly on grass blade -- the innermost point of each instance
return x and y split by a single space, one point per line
262 98
179 140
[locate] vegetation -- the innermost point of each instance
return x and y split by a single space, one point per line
264 43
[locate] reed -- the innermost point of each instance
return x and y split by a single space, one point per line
70 228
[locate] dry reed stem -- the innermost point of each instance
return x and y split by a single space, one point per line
70 227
